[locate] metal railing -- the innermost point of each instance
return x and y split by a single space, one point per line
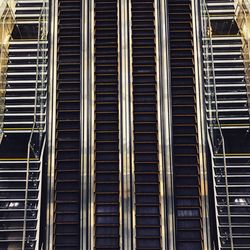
36 139
216 138
243 17
7 19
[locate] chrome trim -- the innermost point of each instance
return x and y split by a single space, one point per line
125 116
131 169
201 120
162 189
84 125
52 124
166 124
39 206
91 118
121 84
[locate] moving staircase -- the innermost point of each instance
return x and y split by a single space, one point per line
145 126
68 155
186 168
107 190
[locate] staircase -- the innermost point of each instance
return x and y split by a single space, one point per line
67 191
107 192
146 164
22 148
228 126
186 166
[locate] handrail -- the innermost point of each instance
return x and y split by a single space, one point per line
2 73
222 142
40 30
240 7
3 77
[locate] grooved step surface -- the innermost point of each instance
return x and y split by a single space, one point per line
67 166
185 152
107 165
145 122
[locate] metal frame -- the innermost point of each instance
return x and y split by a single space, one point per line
161 141
209 31
201 126
91 118
125 116
131 134
166 128
84 126
40 35
52 124
225 100
28 120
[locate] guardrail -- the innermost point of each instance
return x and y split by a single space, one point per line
36 140
215 138
242 16
6 26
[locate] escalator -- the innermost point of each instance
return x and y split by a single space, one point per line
187 193
106 136
67 162
145 126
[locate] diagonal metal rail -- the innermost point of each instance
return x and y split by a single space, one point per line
41 33
207 34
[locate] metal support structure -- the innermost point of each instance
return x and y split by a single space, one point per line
42 33
165 110
161 116
227 116
208 31
53 39
201 125
91 116
85 135
125 118
22 149
131 169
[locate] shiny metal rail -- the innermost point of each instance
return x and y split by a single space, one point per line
207 33
42 35
242 17
4 55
